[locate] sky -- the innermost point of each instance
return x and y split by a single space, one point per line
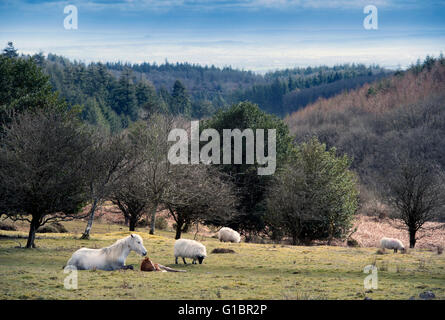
257 35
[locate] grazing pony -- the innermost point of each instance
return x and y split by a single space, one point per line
109 258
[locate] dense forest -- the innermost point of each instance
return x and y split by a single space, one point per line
292 89
115 94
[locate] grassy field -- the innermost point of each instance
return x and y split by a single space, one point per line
255 271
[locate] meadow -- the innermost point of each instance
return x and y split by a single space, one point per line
255 271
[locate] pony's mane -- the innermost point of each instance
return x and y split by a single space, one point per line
116 248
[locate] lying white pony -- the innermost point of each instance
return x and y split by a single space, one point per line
109 258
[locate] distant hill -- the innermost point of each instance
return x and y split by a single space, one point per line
115 94
289 90
202 82
401 114
279 92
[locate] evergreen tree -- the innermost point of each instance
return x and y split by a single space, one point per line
314 196
180 102
251 186
124 95
10 51
24 87
146 97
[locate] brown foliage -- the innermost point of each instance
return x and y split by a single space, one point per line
389 93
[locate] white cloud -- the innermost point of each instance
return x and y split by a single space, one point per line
259 56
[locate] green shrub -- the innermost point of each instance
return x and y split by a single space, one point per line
54 227
161 223
142 223
351 242
314 197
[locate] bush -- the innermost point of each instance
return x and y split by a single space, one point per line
161 223
7 226
142 223
351 242
251 238
314 197
54 227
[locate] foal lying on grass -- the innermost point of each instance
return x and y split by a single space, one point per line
147 265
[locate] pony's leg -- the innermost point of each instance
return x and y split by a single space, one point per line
176 260
194 261
128 267
183 259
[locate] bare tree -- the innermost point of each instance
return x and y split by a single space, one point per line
42 163
150 138
111 158
415 188
199 193
132 197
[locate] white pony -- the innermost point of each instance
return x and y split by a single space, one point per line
109 258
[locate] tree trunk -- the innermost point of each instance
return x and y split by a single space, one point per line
331 233
412 237
32 233
153 218
132 223
294 239
178 230
86 234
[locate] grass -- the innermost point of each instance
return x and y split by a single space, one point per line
255 271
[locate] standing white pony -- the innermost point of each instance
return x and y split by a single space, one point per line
109 258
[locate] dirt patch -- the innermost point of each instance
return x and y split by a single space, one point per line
371 229
222 250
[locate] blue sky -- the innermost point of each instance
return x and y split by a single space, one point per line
258 35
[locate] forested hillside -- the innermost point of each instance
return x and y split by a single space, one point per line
115 94
383 124
289 90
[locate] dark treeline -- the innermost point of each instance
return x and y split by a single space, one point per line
115 94
202 82
292 89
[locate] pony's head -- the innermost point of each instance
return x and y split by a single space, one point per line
136 244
